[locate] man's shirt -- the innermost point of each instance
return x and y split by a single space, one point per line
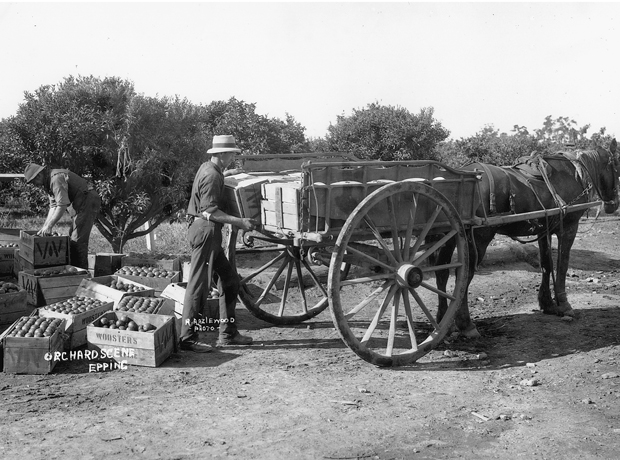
64 187
207 190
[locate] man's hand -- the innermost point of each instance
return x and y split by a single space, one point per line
232 172
45 231
248 224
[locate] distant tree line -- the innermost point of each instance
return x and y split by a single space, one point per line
141 153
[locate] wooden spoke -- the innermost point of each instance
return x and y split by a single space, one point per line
379 314
367 279
410 222
393 318
437 291
302 289
426 311
372 296
285 288
395 238
352 250
436 268
426 229
379 239
314 277
434 247
271 283
263 268
410 323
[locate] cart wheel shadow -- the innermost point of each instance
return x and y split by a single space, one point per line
512 341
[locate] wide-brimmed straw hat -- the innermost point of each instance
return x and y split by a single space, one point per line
224 143
32 171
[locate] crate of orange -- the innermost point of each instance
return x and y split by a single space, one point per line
139 339
152 276
78 312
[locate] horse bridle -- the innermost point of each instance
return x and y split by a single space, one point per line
610 162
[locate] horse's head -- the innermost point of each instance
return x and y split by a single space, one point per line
609 177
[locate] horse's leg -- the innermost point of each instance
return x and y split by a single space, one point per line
477 250
565 242
441 257
545 301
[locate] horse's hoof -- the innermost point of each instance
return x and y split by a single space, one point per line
471 333
570 312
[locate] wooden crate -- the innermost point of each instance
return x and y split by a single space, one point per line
243 195
31 355
105 263
281 206
75 324
7 260
175 293
13 305
10 236
171 263
149 349
45 290
98 288
157 284
43 251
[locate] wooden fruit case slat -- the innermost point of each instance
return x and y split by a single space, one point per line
45 290
75 323
31 355
98 288
149 349
43 251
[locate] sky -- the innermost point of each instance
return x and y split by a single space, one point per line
476 64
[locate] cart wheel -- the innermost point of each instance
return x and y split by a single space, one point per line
383 309
291 294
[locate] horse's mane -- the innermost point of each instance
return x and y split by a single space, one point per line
587 165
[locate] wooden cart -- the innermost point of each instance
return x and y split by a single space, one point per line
360 237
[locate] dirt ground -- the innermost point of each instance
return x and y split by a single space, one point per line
534 386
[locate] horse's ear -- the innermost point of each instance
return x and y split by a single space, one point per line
613 146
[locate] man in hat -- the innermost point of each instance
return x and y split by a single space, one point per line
206 214
67 192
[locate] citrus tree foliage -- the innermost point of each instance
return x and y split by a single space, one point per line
254 133
387 133
139 152
491 146
487 146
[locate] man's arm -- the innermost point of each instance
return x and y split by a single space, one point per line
220 216
54 215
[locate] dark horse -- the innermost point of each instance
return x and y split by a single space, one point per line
541 182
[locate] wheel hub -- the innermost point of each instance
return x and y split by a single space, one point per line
409 276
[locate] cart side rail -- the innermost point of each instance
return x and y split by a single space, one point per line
331 191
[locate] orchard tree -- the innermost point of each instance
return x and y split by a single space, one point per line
254 133
387 133
139 152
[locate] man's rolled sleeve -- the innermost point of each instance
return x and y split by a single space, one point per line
59 188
